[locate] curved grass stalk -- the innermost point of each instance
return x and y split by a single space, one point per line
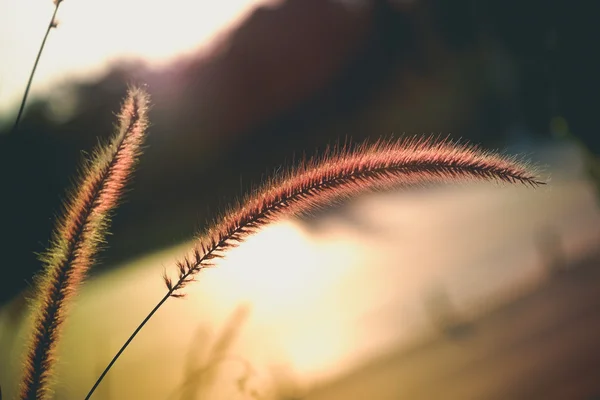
337 174
77 238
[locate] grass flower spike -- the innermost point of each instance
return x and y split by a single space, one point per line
344 173
76 239
338 174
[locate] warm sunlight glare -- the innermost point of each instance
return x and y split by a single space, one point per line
276 263
294 283
93 34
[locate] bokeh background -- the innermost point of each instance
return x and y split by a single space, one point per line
476 291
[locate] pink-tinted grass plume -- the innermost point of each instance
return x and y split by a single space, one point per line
76 240
343 173
338 174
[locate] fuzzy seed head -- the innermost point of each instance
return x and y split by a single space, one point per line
77 238
342 173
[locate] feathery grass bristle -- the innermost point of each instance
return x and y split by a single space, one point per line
77 238
341 173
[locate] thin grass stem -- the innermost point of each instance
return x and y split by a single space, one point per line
51 25
126 344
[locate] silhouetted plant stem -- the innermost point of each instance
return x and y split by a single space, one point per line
51 25
122 349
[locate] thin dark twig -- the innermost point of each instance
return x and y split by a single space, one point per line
133 335
51 25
